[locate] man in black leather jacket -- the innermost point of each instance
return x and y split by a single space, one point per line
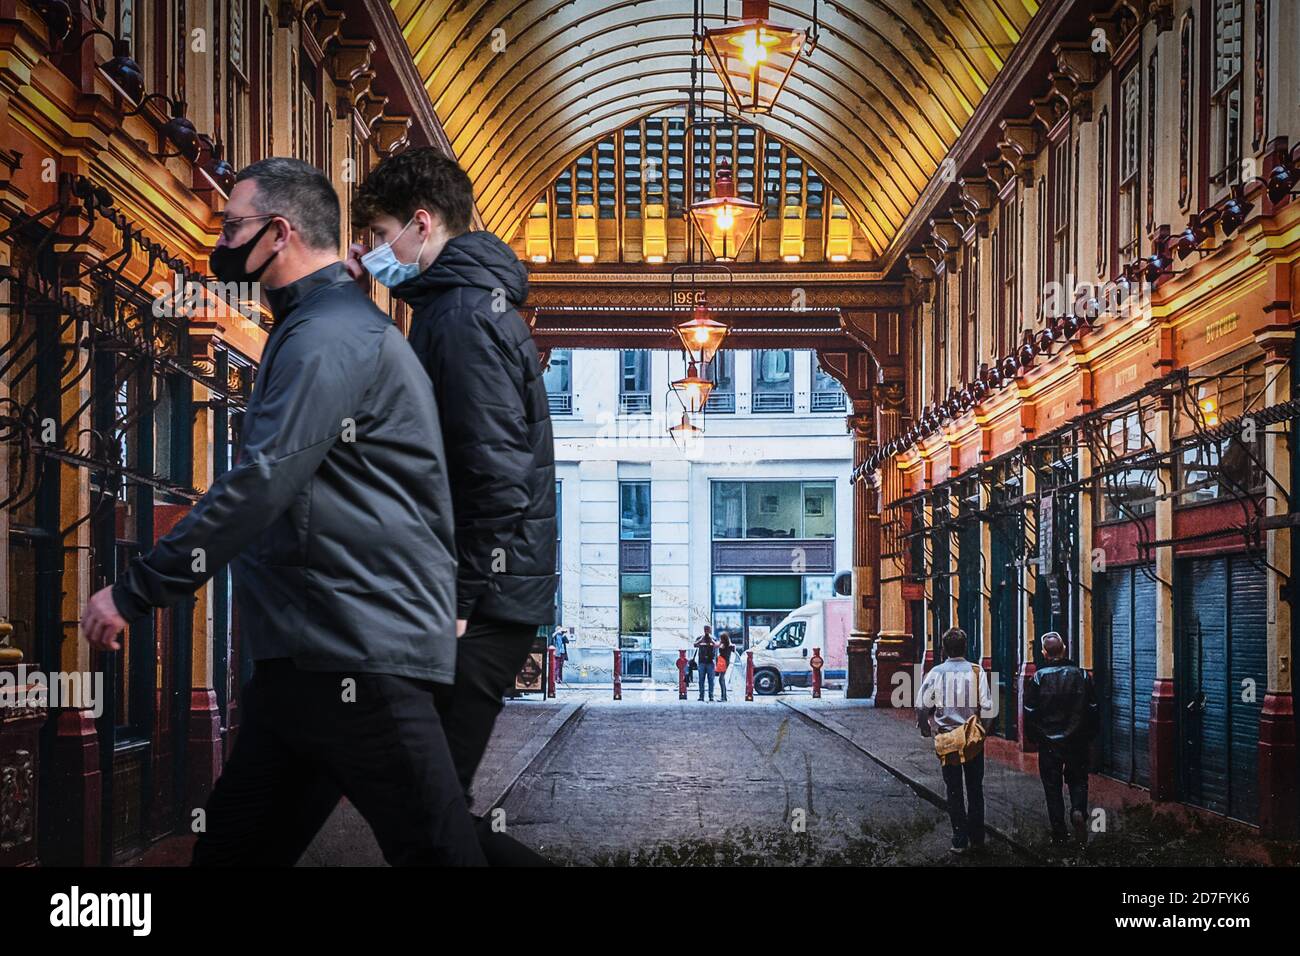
1061 717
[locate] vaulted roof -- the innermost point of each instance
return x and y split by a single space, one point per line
522 86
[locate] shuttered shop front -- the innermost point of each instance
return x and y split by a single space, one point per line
1221 678
1125 636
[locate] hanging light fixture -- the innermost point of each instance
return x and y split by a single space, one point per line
725 221
702 336
685 433
754 57
693 390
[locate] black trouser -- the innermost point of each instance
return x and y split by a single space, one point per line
488 656
377 740
966 816
1071 765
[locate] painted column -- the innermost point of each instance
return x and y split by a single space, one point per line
986 581
1277 728
1086 500
204 734
1029 575
866 558
894 649
1163 740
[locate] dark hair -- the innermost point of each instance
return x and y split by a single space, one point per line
954 642
418 178
300 193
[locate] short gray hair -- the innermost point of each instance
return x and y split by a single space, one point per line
300 193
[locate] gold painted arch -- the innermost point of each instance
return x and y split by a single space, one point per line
523 86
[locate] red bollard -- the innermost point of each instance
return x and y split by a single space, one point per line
618 674
749 675
816 663
550 671
681 675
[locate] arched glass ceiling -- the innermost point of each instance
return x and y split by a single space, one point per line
523 86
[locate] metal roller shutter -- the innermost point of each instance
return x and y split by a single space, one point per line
1222 645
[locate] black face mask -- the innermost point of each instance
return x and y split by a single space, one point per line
230 263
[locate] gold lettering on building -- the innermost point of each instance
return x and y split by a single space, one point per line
1219 328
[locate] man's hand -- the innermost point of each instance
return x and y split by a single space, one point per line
101 623
461 624
353 262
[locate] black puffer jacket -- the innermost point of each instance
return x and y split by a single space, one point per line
336 520
1061 706
496 425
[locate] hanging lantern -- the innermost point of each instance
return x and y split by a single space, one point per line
753 57
685 433
725 221
701 336
692 391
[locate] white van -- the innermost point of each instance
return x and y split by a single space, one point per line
782 659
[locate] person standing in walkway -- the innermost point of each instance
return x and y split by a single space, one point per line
560 641
336 521
1062 717
953 701
726 650
705 655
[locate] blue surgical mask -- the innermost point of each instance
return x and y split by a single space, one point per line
382 263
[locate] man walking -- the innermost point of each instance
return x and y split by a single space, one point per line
464 288
1062 717
705 650
952 694
337 523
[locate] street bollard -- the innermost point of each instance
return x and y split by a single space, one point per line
618 674
749 675
816 663
550 671
681 675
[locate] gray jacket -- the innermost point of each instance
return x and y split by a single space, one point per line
336 519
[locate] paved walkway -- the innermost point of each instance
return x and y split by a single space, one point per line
788 779
688 783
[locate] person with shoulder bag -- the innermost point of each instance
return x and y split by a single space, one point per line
949 706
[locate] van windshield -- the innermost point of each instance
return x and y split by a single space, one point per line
789 636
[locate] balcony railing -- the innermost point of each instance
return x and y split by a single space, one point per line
561 403
634 403
721 403
828 401
772 401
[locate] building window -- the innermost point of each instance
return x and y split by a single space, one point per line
722 373
1063 201
266 105
634 388
940 335
1103 190
1009 307
773 509
558 378
634 577
827 393
970 345
634 511
1185 119
1226 97
1153 79
238 147
773 380
307 111
1130 165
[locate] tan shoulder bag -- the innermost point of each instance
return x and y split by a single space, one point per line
967 741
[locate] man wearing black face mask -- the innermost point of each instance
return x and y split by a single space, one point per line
336 521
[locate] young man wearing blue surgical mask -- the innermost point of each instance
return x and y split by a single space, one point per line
464 288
